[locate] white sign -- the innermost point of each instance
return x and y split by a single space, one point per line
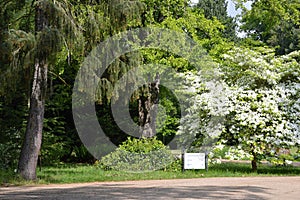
194 160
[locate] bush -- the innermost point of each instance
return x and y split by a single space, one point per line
10 148
138 155
175 166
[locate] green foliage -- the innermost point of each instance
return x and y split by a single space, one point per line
12 126
157 11
53 147
175 166
61 142
25 44
219 152
206 32
275 22
138 155
77 24
10 149
218 9
168 118
281 160
143 145
16 63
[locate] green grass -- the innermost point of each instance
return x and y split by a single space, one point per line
89 173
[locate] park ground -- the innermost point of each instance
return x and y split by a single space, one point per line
287 188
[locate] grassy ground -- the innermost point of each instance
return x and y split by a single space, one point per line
89 173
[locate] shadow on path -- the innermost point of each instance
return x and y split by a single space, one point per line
116 191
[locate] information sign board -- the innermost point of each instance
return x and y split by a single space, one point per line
194 160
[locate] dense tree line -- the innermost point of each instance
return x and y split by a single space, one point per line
43 44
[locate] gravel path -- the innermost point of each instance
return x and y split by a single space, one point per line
286 188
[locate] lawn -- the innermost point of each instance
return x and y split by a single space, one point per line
67 173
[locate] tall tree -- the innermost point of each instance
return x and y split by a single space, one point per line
274 22
33 135
218 9
123 15
31 34
51 24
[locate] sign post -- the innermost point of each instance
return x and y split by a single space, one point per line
195 161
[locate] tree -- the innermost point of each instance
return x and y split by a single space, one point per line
218 9
176 16
202 123
33 135
156 11
136 14
15 43
206 32
275 23
252 107
45 47
261 108
36 33
58 31
148 103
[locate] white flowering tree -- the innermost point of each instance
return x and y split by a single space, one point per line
202 122
254 106
264 106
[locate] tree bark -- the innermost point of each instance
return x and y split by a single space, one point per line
254 160
254 165
148 104
33 135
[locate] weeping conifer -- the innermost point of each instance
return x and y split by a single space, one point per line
52 25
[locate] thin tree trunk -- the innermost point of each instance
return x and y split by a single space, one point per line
33 135
254 165
254 160
148 104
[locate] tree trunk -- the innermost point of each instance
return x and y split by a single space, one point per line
33 135
148 104
254 161
254 165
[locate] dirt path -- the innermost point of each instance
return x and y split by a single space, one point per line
286 188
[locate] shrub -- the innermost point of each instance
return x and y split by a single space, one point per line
10 148
175 166
138 155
